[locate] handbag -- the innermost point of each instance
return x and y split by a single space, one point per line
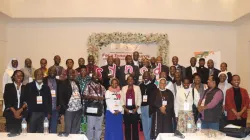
94 108
194 109
237 133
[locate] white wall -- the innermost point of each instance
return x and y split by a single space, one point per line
69 39
212 10
3 42
243 51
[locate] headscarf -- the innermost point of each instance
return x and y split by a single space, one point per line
159 84
224 86
10 69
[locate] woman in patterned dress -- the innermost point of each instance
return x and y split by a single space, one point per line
185 98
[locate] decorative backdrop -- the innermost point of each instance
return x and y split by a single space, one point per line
98 40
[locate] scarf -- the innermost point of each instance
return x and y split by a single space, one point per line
114 89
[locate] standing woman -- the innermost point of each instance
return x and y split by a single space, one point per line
12 66
223 68
113 126
131 101
237 101
185 98
14 102
200 87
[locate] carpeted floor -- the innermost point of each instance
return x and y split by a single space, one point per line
2 120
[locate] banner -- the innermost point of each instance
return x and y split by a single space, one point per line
120 50
214 55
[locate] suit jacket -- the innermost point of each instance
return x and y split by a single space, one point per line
204 73
230 103
105 77
65 91
138 96
122 75
10 99
189 74
45 82
216 73
182 70
31 93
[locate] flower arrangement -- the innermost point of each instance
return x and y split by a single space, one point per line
98 40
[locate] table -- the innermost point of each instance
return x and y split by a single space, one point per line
170 136
41 136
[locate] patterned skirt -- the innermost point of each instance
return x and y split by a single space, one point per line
183 118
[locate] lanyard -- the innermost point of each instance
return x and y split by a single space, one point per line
186 96
163 98
51 82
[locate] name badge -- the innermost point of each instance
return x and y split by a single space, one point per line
92 110
145 98
53 93
30 79
76 95
186 106
203 102
164 103
129 102
90 74
58 77
117 104
39 99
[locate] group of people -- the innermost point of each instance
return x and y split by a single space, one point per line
164 102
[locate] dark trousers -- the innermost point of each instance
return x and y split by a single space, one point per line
241 122
13 125
36 122
53 121
72 121
131 119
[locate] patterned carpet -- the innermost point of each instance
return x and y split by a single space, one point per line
2 120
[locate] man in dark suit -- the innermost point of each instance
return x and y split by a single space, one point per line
191 69
213 71
38 98
203 71
15 107
106 74
53 83
135 74
71 103
180 68
171 75
117 62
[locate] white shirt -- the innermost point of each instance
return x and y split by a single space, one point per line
136 63
18 91
183 96
194 70
178 87
113 101
170 87
39 87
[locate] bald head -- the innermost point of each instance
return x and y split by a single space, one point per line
159 60
210 64
175 60
28 63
